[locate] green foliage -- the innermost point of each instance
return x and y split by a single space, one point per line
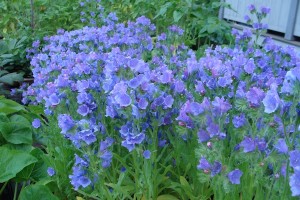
199 18
21 161
37 192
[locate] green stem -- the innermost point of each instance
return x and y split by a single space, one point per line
15 192
3 187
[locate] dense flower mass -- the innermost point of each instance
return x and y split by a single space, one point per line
117 89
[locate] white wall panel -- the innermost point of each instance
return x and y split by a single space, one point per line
276 19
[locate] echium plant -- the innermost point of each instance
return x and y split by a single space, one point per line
111 95
245 111
131 116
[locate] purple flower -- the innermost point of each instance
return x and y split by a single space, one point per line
123 99
220 106
36 123
53 99
248 144
295 159
281 146
203 164
255 96
65 122
250 66
265 10
295 183
251 8
196 108
203 136
234 176
83 110
50 171
147 154
271 101
143 103
168 101
87 136
247 18
179 86
239 120
216 168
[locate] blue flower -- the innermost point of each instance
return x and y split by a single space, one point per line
295 183
281 146
248 144
271 101
295 159
50 171
234 176
147 154
216 168
204 164
123 99
36 123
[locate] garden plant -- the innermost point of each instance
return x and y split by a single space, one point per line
121 108
133 114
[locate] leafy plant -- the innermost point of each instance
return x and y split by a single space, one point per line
21 162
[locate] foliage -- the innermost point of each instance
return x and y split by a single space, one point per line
198 18
21 161
132 116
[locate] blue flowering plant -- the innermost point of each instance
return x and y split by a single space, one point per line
131 115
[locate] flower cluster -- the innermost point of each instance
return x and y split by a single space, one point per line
117 87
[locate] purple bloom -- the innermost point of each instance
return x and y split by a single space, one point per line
65 122
248 144
53 99
168 101
251 8
179 86
239 120
247 18
106 158
295 159
50 171
265 10
216 168
250 66
196 108
203 136
87 136
36 123
295 183
220 106
271 101
200 87
147 154
143 103
83 110
281 146
123 100
204 164
234 176
255 96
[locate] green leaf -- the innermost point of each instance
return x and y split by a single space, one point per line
24 174
177 15
16 133
163 9
37 192
11 78
39 171
166 197
12 162
9 107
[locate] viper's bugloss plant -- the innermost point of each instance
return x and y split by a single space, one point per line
133 116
